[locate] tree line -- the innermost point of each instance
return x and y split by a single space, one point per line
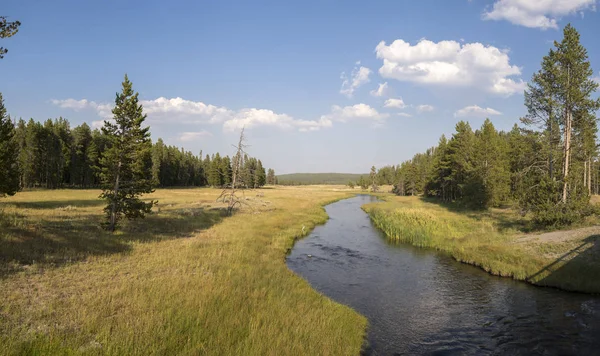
549 166
52 155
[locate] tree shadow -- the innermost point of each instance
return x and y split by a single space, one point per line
576 270
50 204
59 240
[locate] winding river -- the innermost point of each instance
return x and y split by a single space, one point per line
419 301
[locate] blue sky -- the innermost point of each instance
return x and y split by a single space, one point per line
302 77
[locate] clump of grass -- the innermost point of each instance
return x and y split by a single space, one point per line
489 240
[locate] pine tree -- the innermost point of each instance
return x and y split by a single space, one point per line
490 177
271 176
126 174
226 171
214 172
9 168
574 87
7 29
260 177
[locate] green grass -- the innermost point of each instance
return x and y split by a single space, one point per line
319 178
186 280
494 240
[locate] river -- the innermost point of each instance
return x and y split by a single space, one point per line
419 301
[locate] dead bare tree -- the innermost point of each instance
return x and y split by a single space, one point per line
230 194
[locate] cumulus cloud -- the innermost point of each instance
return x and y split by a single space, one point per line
260 117
424 108
194 111
178 110
73 104
355 112
382 90
103 110
191 136
450 63
541 14
476 111
395 103
403 114
358 77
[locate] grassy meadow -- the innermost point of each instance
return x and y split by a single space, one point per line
185 280
499 240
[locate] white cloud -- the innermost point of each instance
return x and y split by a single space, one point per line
193 111
403 114
476 111
424 108
260 117
597 78
354 112
395 103
541 14
103 110
450 63
191 136
97 124
382 90
73 104
359 76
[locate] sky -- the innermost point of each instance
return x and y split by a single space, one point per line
320 86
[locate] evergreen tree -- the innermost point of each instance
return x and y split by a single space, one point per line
214 174
9 163
126 174
260 177
490 179
270 176
7 29
82 171
226 171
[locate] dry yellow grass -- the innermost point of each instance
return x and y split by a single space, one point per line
496 241
183 281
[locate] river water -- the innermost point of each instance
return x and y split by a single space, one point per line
419 301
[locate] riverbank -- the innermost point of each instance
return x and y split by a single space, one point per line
496 241
186 280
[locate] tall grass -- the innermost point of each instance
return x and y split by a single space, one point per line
492 240
185 281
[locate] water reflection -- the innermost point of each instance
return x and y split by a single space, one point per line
421 302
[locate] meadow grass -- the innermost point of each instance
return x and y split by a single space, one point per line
499 241
186 280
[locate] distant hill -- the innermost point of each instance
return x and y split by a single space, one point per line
318 178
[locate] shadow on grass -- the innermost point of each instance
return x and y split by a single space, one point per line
576 270
58 240
503 217
49 204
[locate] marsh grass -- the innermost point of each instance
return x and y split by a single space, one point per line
494 240
186 280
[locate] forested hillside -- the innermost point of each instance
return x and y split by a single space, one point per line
317 178
549 166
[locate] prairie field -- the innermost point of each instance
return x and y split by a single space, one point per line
185 280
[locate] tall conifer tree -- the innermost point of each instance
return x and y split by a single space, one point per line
126 174
9 168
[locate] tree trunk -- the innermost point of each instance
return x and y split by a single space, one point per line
567 153
585 171
550 160
113 209
589 176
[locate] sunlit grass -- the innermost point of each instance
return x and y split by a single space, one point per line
494 240
186 280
